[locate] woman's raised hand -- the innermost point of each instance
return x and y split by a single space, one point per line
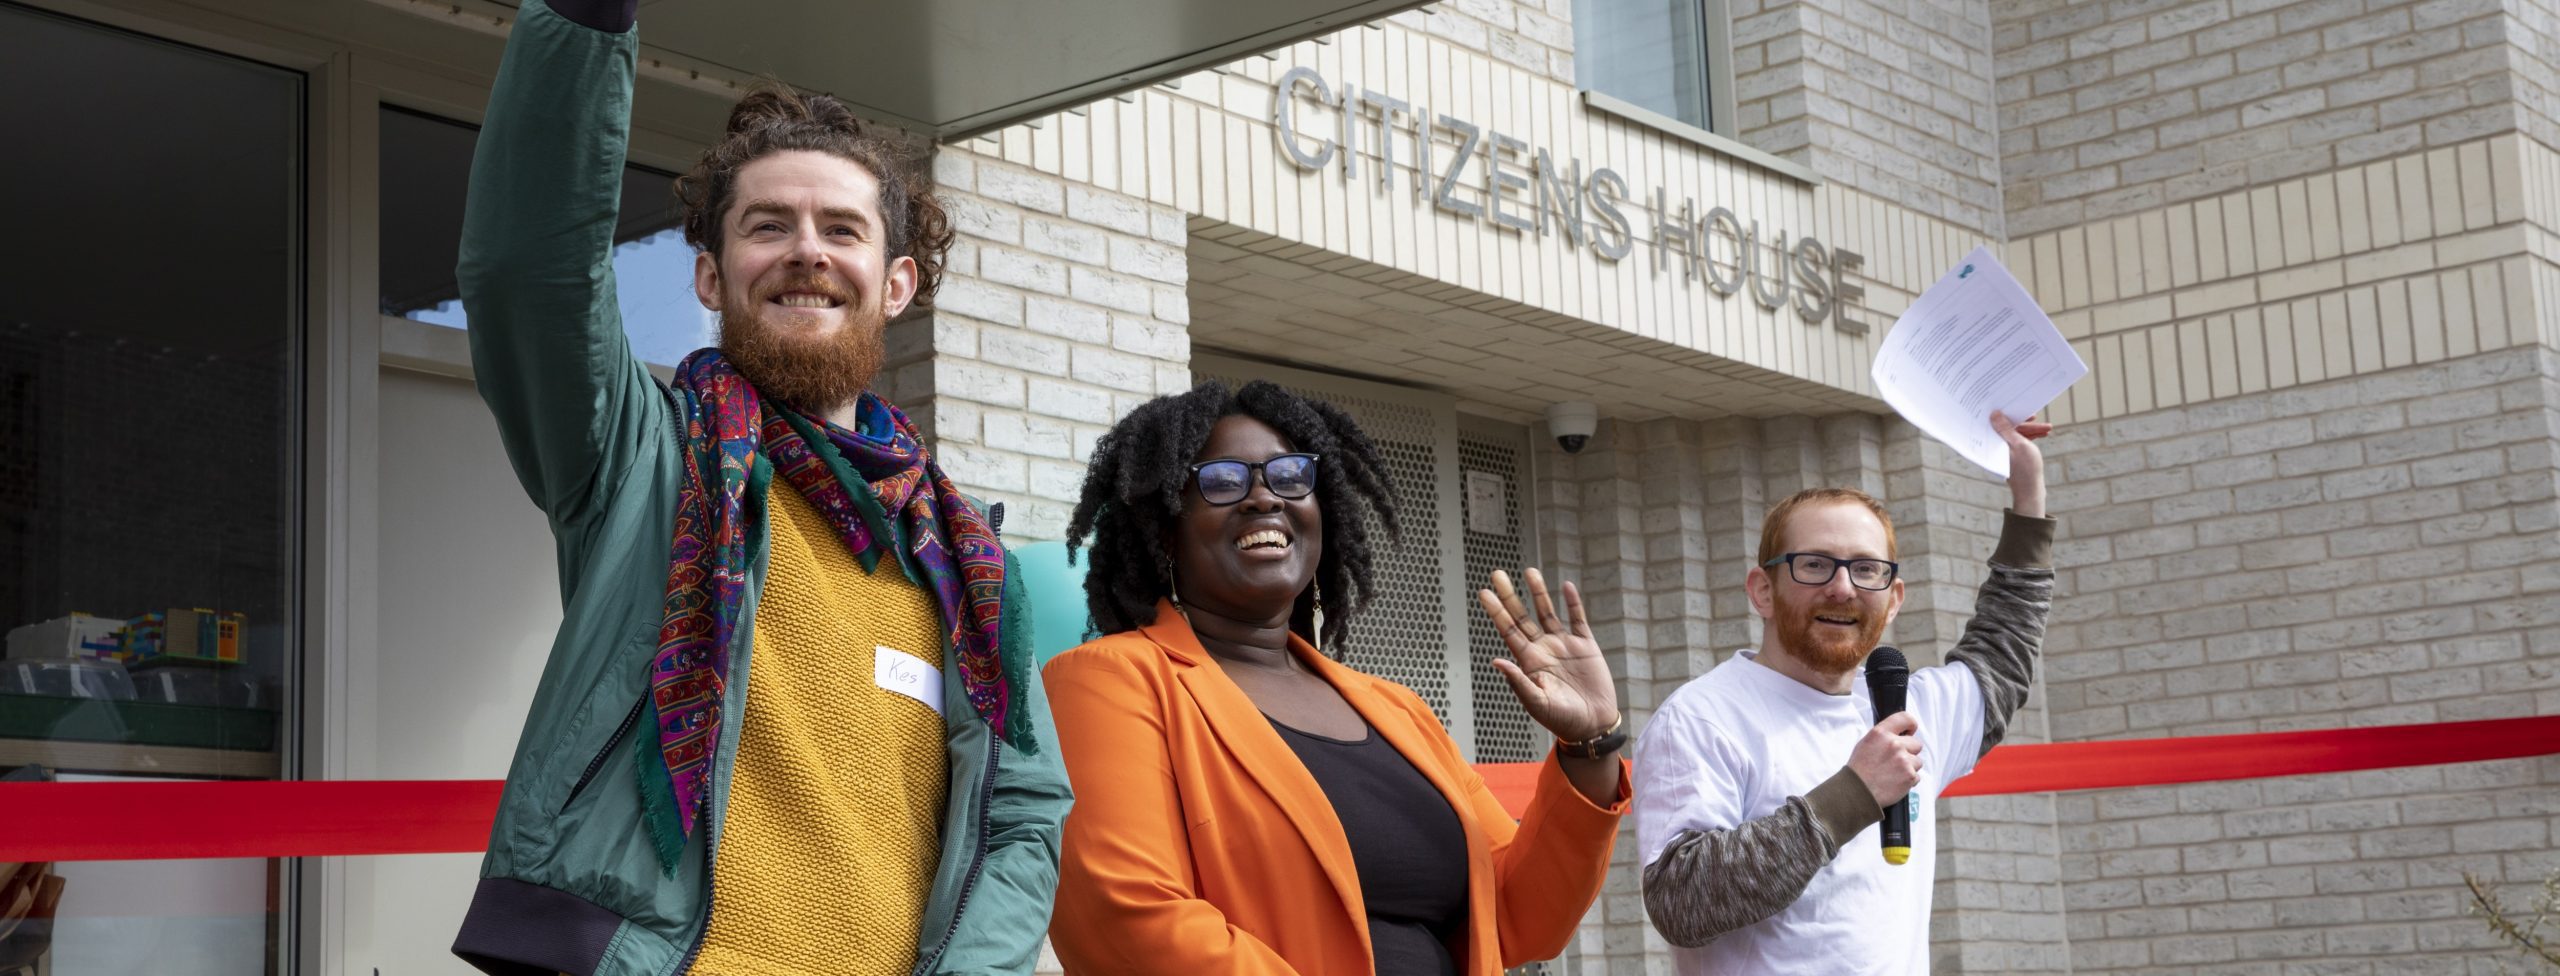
1556 670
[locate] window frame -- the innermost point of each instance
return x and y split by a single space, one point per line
329 577
1719 134
425 347
1717 24
354 64
1714 77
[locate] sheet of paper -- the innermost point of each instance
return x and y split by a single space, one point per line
1974 342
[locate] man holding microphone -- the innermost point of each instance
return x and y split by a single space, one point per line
1757 783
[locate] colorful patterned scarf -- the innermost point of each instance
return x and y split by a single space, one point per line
732 440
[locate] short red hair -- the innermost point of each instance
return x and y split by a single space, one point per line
1773 528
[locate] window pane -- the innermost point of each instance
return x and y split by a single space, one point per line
1649 52
150 315
426 166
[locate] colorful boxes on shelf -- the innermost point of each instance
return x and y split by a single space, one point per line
78 635
143 635
194 636
178 636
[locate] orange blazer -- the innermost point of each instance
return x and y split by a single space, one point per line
1200 845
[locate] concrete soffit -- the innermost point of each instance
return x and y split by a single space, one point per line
951 68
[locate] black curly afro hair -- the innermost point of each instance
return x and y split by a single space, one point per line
1134 489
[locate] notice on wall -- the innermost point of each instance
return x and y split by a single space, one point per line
1487 501
1973 343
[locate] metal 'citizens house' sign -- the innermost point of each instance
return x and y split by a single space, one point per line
1525 192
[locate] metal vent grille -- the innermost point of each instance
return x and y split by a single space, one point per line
1504 732
1402 636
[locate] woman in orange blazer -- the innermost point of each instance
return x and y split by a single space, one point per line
1245 804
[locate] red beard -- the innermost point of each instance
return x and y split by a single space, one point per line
810 374
1825 648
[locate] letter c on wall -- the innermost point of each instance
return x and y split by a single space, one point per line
1284 102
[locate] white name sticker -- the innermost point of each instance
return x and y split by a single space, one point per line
906 674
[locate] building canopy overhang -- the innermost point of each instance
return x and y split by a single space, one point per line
956 68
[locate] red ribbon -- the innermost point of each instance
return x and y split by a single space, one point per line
249 818
311 818
2034 768
2204 758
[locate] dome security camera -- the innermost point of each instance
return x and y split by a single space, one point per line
1572 424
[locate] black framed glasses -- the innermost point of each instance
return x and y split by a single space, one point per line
1815 569
1226 481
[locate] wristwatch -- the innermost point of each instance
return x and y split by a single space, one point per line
1598 745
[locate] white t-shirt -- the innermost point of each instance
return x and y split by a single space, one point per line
1734 744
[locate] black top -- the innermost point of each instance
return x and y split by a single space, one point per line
609 16
1409 847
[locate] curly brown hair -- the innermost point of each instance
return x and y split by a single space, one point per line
775 118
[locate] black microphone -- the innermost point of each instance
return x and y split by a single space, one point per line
1888 679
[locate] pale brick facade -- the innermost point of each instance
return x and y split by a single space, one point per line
1893 98
2533 28
1530 35
1061 311
2309 484
2374 550
2309 249
2113 108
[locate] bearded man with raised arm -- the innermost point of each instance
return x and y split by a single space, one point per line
790 724
1759 783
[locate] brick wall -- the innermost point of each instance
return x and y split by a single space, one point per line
2111 108
2533 28
2099 109
2375 497
2374 550
1615 521
1534 35
1061 310
1891 97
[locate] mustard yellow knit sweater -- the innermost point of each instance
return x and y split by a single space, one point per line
835 806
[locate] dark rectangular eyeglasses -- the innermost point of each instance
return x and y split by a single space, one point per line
1815 569
1226 481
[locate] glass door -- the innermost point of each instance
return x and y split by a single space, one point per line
151 316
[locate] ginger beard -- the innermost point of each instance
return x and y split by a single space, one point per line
1827 648
791 361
